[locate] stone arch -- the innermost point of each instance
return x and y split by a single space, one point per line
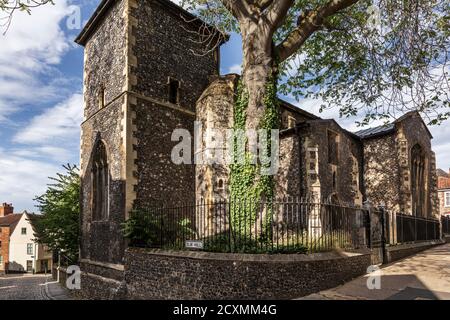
334 198
220 184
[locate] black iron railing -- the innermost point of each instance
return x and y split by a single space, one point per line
445 225
413 229
291 225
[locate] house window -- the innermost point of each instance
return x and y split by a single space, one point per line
447 199
100 183
24 230
29 248
174 91
1 260
332 148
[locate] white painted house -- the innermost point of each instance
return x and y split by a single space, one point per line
25 255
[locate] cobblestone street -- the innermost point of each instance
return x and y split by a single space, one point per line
30 287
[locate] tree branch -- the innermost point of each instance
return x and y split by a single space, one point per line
307 24
277 11
238 8
263 4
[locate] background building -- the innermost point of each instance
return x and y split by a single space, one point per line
18 250
444 192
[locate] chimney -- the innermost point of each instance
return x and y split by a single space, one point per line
6 209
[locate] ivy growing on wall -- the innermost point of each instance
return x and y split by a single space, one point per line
247 186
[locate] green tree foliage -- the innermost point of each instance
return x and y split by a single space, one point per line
373 58
152 228
58 226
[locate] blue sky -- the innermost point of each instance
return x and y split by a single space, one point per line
41 99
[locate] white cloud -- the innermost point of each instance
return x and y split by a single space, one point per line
30 48
441 144
54 125
37 35
22 179
237 68
41 147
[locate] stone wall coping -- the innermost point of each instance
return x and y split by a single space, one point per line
251 257
414 245
118 267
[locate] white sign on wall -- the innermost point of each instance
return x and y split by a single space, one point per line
194 244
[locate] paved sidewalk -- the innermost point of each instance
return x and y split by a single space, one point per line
54 291
424 276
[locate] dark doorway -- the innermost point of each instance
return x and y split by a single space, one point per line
29 265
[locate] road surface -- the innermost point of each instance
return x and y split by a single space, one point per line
30 287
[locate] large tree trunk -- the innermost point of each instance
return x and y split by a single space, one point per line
258 71
258 68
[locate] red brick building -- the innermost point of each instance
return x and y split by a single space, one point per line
8 222
444 191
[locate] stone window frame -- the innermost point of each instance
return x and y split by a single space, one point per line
312 160
419 204
171 80
104 216
447 200
218 187
337 140
101 97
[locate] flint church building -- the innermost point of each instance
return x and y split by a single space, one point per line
143 79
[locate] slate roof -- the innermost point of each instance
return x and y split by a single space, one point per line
390 128
298 110
377 131
10 221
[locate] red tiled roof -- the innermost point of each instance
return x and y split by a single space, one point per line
443 183
10 220
442 173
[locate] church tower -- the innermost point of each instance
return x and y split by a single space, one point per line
144 70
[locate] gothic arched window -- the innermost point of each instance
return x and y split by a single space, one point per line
100 183
417 180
